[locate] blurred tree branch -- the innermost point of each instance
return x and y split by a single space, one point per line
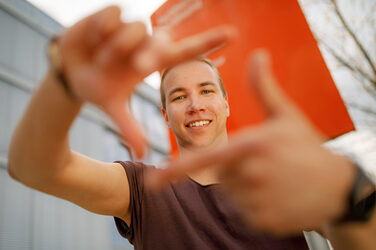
346 30
347 64
361 108
356 40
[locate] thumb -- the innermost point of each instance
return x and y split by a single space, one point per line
129 128
266 86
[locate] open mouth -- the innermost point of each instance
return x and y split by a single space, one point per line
201 123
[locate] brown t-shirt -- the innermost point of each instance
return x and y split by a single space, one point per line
189 216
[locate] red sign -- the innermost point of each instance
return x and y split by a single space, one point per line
281 28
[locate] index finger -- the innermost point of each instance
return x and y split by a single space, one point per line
195 45
223 156
165 53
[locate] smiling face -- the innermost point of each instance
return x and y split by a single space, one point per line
196 108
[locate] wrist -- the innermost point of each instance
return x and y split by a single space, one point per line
56 68
54 86
345 178
360 200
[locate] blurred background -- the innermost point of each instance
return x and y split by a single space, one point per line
344 29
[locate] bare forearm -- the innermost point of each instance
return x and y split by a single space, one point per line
39 144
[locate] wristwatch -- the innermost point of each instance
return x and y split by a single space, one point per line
361 200
56 63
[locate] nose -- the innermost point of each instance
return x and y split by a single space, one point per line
196 105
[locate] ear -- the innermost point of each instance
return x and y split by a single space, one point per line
164 113
227 106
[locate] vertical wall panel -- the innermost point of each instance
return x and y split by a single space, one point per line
4 117
15 214
18 100
23 57
29 219
7 38
40 57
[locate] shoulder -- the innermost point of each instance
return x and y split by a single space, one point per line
135 172
132 167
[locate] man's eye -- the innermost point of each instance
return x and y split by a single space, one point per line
207 91
178 98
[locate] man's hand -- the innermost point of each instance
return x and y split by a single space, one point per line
105 58
278 173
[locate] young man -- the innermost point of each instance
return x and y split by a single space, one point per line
102 60
195 213
278 173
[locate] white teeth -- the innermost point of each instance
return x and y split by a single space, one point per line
198 123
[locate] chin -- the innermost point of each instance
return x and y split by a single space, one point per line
199 146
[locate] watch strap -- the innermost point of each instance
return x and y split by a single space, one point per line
56 63
359 210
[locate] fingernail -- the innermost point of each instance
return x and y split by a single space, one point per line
231 32
161 36
262 57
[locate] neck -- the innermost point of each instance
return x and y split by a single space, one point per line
207 175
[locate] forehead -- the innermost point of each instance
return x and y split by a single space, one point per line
189 75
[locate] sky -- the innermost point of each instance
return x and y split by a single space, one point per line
68 12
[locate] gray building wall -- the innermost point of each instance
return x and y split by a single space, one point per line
32 220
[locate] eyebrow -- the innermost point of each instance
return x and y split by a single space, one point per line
175 90
203 84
